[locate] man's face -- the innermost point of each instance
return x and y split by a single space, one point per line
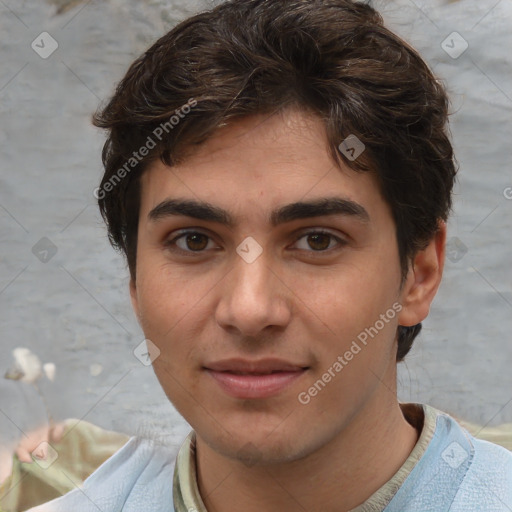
216 313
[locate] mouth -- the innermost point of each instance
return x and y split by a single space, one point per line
254 379
253 373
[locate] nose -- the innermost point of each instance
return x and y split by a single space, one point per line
253 298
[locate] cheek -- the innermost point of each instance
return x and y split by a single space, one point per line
348 295
173 308
159 286
354 308
158 299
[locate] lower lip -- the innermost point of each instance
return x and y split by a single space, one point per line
254 386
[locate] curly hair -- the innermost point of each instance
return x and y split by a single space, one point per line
332 58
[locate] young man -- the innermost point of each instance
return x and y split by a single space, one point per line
278 175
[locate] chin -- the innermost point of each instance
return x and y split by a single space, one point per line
254 448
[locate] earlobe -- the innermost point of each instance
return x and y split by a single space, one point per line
423 280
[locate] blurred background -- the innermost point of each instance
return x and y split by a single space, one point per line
64 291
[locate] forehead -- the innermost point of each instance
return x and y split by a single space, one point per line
259 162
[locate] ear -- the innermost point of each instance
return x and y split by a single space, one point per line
423 280
135 301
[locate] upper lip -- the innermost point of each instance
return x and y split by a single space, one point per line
260 366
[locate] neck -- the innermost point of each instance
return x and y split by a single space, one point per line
340 475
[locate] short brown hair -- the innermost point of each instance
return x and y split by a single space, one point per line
333 58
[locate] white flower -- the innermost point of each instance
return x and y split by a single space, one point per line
28 368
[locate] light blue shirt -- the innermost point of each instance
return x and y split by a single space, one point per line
456 473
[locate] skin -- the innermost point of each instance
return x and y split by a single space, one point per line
294 302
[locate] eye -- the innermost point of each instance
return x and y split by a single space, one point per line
189 241
197 242
319 241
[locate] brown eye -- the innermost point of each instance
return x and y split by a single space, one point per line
189 242
319 241
196 241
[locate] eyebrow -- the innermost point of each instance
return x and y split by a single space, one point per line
293 211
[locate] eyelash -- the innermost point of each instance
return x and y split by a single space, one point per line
171 244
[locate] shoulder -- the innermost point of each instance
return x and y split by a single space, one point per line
136 478
486 481
487 484
457 472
